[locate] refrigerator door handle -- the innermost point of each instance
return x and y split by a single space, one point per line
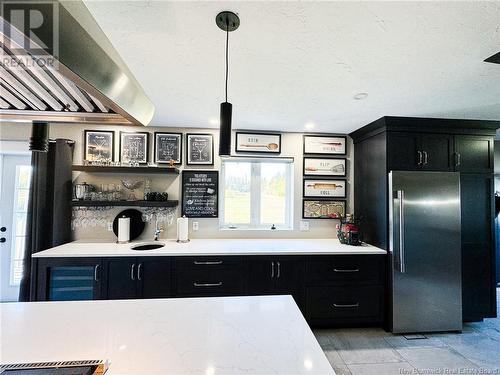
401 197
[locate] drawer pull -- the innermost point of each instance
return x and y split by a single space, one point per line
96 273
340 306
344 270
207 263
201 285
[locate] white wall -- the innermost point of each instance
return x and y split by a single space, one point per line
208 228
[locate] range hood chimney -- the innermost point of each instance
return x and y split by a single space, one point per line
87 83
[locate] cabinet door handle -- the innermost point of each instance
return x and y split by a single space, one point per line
346 270
426 157
419 158
458 159
132 272
272 270
348 306
207 263
279 270
96 272
201 285
139 277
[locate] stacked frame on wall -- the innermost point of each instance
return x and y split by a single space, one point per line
325 172
134 147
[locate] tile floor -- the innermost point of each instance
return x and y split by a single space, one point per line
372 351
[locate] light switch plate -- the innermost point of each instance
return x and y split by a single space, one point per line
196 225
304 226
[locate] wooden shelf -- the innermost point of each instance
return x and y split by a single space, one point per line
82 203
140 170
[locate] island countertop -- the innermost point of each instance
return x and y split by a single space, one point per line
219 247
214 336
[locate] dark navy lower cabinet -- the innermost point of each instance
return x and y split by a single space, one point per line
338 290
345 290
277 275
207 276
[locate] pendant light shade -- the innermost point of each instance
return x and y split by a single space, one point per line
226 112
227 21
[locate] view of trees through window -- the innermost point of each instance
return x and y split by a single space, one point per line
257 194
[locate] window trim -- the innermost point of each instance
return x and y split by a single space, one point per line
255 192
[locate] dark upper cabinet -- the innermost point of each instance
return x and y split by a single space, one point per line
121 278
473 154
68 279
437 150
402 151
154 277
478 275
464 146
417 151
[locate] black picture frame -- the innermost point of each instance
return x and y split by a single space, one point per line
86 145
189 152
306 152
340 175
146 145
325 181
343 201
263 151
160 161
187 174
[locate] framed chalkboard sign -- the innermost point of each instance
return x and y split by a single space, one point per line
200 149
168 146
200 192
134 147
99 145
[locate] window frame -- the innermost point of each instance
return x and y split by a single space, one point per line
255 194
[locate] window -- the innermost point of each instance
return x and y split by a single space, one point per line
19 211
257 194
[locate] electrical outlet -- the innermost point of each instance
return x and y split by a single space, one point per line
304 226
196 225
110 226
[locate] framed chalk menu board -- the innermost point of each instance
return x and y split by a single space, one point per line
200 191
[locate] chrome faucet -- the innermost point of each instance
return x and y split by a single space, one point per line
157 229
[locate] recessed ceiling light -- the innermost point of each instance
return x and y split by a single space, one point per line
214 121
360 96
310 125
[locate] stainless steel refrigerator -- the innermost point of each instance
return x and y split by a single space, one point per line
425 251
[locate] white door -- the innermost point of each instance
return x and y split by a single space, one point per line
14 191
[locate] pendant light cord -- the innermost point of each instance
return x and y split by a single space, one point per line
227 52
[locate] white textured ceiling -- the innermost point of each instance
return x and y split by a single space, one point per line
298 62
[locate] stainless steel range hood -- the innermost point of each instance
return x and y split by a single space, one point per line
88 83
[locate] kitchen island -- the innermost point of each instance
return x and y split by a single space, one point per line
210 336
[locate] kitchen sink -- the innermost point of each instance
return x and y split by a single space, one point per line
148 246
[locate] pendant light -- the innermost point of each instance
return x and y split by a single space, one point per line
227 21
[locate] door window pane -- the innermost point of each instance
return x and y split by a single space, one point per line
22 200
20 208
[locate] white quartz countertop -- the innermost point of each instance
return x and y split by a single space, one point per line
219 247
203 336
